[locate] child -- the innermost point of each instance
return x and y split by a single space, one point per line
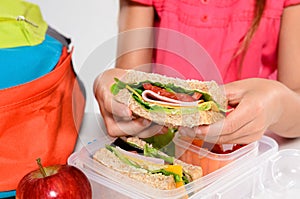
255 45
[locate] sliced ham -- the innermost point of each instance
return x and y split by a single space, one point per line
177 96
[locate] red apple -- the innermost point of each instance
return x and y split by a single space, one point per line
58 181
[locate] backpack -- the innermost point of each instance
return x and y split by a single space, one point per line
41 99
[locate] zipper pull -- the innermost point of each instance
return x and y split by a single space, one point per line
22 18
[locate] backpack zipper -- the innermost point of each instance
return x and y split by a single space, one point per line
22 18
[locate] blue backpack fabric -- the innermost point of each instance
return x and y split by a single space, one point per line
23 64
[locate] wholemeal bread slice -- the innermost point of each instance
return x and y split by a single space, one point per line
151 169
180 117
159 181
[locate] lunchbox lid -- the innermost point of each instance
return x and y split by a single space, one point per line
270 176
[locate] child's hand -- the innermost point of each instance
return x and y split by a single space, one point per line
118 117
257 105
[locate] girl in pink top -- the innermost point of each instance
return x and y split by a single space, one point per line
253 45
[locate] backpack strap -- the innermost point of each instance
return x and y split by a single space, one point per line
60 37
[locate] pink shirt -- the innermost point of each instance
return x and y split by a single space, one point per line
219 27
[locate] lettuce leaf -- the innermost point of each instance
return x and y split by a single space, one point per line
138 88
121 156
119 85
153 152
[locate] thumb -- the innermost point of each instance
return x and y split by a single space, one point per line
234 92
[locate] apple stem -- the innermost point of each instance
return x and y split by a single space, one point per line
41 167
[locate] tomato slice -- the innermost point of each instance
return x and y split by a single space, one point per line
177 96
160 91
185 97
197 95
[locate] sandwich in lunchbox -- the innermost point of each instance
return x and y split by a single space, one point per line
170 101
153 167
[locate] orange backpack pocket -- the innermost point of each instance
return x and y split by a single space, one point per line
39 119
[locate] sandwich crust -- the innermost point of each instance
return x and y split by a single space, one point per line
174 119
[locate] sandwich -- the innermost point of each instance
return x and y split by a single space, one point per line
153 168
169 101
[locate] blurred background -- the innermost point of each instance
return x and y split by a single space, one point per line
92 26
88 23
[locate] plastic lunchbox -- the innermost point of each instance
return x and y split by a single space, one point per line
109 184
189 151
272 174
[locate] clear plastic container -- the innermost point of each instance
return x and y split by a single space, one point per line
269 176
188 152
110 184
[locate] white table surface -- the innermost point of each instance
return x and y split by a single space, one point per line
93 128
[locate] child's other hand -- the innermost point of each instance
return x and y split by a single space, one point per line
258 104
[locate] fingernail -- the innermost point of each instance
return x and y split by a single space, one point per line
126 112
146 122
182 132
198 131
